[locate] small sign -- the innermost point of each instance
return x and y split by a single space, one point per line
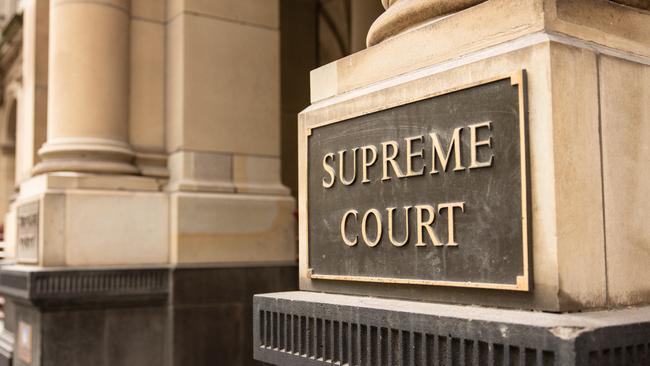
24 342
434 192
27 236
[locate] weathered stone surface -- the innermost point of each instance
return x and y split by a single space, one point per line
625 125
565 170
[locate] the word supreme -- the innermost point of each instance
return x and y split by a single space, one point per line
422 157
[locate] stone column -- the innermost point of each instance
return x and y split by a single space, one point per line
89 89
402 15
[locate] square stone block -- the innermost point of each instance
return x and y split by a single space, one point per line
579 261
201 171
223 87
99 227
232 228
258 174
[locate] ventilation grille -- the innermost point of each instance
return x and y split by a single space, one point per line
100 282
344 343
630 355
304 328
87 284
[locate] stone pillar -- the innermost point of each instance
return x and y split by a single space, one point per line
232 223
85 210
223 135
89 89
575 73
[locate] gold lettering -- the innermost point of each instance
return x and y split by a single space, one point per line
344 236
330 170
426 225
390 159
410 155
406 226
454 144
474 145
450 219
364 224
367 163
345 181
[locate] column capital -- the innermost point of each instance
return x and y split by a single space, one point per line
401 15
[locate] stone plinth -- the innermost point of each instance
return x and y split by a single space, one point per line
586 146
304 328
155 315
587 66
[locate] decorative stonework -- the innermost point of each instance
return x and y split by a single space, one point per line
402 15
82 285
296 328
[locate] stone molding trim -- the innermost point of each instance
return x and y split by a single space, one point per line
86 285
307 328
84 154
405 14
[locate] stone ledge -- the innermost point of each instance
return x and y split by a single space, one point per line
306 328
63 286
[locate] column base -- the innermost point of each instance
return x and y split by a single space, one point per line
174 316
86 155
306 328
71 219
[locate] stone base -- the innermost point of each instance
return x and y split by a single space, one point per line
307 328
169 316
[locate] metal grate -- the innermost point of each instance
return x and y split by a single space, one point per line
344 343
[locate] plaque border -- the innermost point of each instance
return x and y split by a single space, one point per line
522 282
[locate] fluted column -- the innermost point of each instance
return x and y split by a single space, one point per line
88 88
402 15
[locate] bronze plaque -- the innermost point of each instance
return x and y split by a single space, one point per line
27 236
433 192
